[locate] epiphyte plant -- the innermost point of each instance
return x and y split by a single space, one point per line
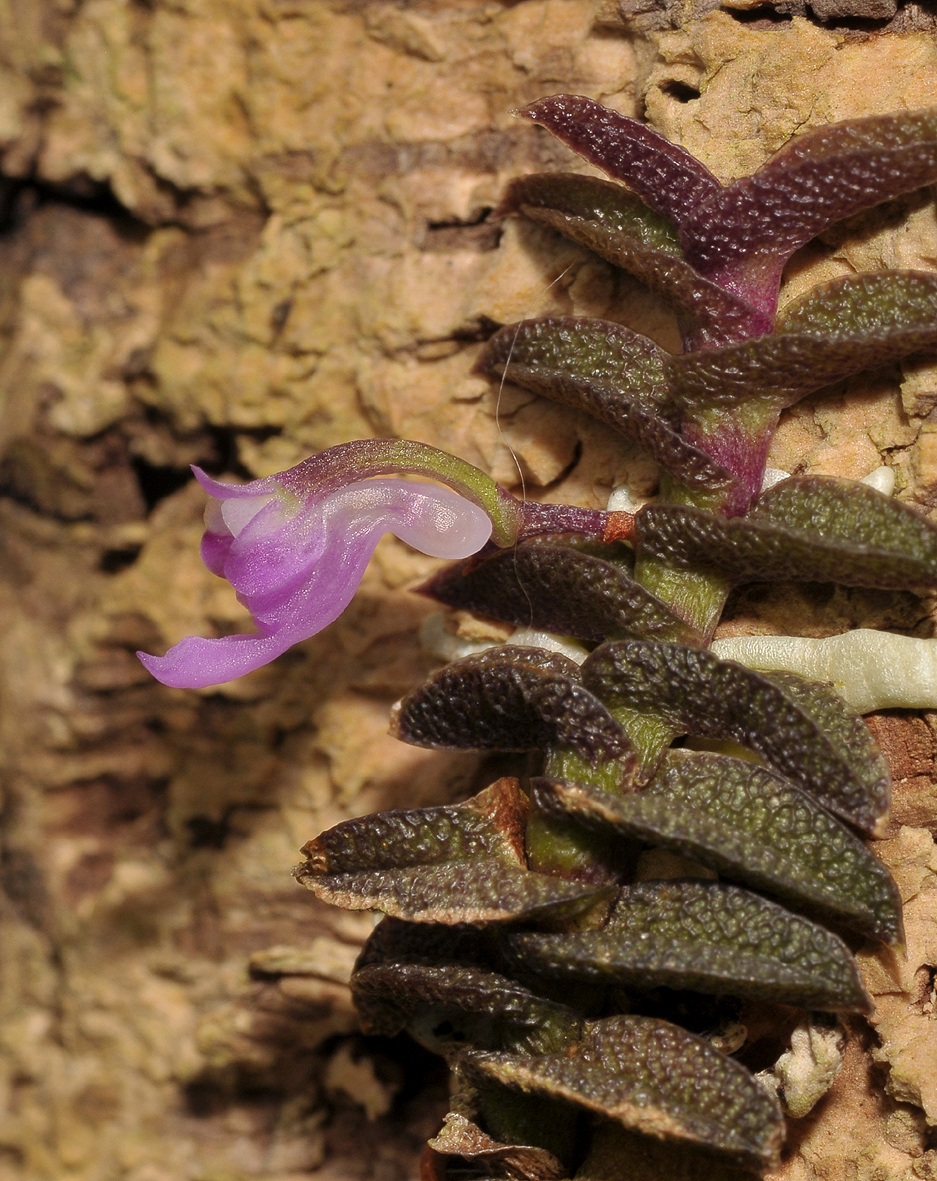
577 996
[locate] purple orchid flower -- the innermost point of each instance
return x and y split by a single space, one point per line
296 561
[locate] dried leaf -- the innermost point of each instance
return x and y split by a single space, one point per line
751 826
460 863
620 228
508 698
824 749
810 528
460 1137
709 937
655 1077
664 175
616 375
841 328
547 585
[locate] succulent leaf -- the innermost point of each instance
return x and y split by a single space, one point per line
459 863
841 328
752 827
544 584
655 1077
388 996
616 375
709 937
509 698
702 695
814 528
664 175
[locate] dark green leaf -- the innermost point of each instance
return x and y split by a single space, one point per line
656 1078
826 750
750 826
560 589
709 937
807 528
461 863
841 328
508 698
388 997
608 371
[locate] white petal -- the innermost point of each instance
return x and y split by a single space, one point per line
239 512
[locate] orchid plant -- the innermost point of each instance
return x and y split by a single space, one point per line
522 939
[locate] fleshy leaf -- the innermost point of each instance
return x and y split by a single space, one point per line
709 937
664 175
486 1007
826 750
459 863
508 698
816 528
818 178
655 1077
751 826
544 584
620 228
616 375
841 328
460 1137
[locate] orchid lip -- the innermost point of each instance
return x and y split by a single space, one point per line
297 571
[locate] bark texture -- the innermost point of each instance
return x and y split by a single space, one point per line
238 231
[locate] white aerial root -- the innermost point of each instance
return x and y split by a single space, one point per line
442 643
870 669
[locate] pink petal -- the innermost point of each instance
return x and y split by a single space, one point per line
297 575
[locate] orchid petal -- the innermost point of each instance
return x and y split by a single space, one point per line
298 571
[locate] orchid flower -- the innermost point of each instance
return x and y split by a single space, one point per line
295 545
295 548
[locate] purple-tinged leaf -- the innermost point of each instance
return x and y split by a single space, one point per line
807 528
620 228
460 863
808 735
838 329
752 827
616 375
517 1162
508 698
656 1078
598 202
665 176
560 589
709 937
818 178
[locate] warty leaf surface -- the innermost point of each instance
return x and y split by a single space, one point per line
710 937
655 1077
699 694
